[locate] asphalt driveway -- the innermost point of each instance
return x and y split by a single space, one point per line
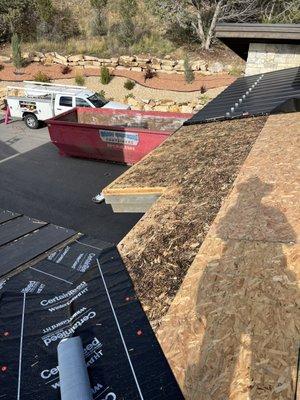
37 181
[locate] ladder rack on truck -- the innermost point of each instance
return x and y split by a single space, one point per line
38 101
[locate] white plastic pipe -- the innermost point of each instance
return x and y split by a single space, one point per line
73 375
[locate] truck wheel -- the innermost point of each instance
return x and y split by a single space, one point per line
31 121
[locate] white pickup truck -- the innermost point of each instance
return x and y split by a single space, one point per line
35 101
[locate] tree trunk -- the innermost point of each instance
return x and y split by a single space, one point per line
212 26
199 28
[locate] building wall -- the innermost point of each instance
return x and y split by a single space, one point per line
263 57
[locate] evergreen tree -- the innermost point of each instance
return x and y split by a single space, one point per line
16 51
188 72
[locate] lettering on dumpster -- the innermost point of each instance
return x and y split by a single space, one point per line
125 138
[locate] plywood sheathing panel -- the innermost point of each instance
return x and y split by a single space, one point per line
197 167
233 330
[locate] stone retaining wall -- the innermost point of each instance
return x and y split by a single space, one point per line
263 57
169 105
133 63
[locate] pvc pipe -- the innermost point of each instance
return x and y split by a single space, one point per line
73 375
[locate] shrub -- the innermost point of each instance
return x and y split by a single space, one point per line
203 89
1 67
41 77
65 69
79 80
129 85
188 72
129 96
17 16
236 71
55 24
16 51
102 93
149 74
153 43
99 19
105 77
124 29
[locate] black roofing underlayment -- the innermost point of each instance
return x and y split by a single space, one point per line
80 289
262 94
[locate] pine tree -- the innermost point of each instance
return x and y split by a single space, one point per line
16 51
188 72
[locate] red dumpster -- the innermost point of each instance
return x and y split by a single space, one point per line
113 135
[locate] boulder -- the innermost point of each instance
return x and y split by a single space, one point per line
27 56
175 108
178 68
196 65
5 59
105 61
63 59
168 63
136 69
75 58
206 73
48 60
167 102
121 68
128 61
73 63
161 108
148 107
39 54
167 67
96 64
187 109
59 61
216 67
143 60
90 58
156 67
133 102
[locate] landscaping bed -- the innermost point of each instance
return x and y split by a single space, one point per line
195 168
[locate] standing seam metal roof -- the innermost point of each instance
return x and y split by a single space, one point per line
260 94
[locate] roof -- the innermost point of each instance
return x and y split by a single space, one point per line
23 239
238 36
232 326
72 284
262 94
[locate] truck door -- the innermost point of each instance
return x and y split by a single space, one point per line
82 103
64 103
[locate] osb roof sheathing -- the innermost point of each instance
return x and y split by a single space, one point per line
195 168
232 331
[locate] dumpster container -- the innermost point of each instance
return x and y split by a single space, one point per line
123 136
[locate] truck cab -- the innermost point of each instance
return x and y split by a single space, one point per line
64 102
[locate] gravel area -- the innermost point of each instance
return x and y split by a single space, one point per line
115 90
